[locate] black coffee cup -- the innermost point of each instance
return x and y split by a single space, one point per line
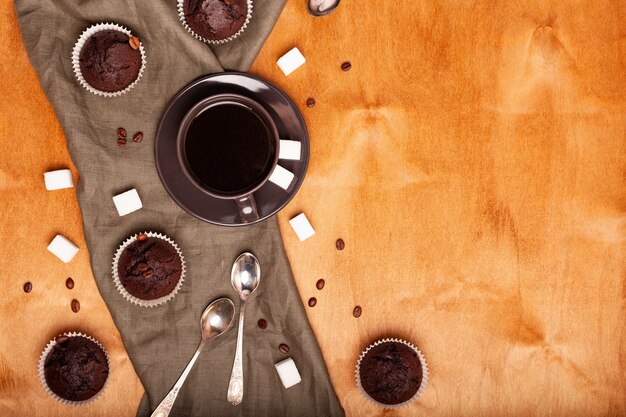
228 146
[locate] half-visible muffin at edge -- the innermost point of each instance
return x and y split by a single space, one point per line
215 20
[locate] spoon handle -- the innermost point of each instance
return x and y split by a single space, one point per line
164 408
235 386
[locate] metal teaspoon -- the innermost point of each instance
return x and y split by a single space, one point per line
245 277
215 320
321 7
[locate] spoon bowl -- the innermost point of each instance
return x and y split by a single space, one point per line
319 8
217 318
245 275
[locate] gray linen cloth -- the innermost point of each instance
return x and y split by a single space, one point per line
161 340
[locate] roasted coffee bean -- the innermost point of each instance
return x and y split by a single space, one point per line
262 324
75 306
148 273
121 142
340 244
320 284
346 66
134 42
312 301
357 312
121 133
61 339
142 267
69 283
310 102
142 237
138 137
28 287
283 348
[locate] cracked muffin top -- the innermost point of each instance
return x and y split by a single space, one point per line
76 368
108 62
391 373
150 268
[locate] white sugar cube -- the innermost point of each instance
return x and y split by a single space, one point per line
56 180
62 248
290 149
282 177
291 61
127 202
300 224
288 373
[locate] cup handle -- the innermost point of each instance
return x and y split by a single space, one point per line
247 208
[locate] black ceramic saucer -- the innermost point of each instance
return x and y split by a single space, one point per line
270 198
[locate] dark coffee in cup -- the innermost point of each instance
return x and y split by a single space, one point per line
229 148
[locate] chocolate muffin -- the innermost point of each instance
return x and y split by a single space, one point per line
76 368
391 372
108 62
150 268
215 19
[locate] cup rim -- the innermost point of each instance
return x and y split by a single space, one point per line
218 99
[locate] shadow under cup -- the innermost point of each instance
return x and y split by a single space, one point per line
228 147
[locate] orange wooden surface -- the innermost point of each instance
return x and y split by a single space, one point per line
474 161
30 216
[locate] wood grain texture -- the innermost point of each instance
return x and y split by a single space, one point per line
474 162
33 143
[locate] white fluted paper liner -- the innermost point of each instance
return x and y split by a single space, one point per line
419 392
129 296
42 376
181 15
79 46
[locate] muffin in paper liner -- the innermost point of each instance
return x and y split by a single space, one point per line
76 58
415 396
135 300
42 376
181 15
